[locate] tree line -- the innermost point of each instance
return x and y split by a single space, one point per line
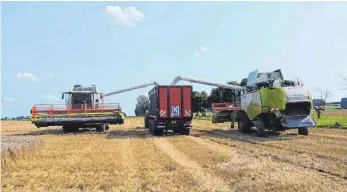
201 101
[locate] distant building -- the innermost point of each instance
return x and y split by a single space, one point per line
318 102
344 103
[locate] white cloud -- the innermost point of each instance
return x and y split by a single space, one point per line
204 49
127 16
9 99
201 50
26 75
49 97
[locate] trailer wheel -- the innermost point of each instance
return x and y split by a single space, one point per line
101 128
146 122
150 126
185 131
157 131
303 131
244 124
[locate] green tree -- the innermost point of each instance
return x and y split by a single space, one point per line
243 82
200 102
142 105
219 95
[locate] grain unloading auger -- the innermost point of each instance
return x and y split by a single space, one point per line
84 108
269 102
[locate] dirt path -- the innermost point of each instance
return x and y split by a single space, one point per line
208 181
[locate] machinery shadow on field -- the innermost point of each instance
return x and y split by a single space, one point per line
136 132
251 137
59 131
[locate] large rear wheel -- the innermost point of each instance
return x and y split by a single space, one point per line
261 132
244 124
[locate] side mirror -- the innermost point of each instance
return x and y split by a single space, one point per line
62 96
96 100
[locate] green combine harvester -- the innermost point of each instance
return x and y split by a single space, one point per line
268 102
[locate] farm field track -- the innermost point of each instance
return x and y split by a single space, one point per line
213 158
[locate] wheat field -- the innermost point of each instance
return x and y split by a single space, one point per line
213 158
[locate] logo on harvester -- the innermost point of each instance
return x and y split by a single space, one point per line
175 111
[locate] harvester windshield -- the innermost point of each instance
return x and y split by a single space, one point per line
255 77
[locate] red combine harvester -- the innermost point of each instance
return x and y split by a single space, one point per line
225 106
84 108
170 108
225 112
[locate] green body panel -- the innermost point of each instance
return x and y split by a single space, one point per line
254 107
265 99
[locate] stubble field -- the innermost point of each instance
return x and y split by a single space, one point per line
213 158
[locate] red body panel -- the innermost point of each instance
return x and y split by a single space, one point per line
225 106
163 105
187 98
175 102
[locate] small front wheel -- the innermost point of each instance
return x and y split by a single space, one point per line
101 128
303 131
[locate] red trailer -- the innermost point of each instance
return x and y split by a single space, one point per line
170 108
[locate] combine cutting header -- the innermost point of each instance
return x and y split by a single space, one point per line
84 108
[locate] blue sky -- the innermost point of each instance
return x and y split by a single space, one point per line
47 47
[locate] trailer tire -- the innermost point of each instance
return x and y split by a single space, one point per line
303 131
154 130
107 126
146 122
186 131
150 126
158 132
244 125
100 128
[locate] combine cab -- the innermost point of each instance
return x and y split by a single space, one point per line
84 108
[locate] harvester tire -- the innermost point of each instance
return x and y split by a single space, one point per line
100 128
303 131
244 124
69 129
261 132
66 129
